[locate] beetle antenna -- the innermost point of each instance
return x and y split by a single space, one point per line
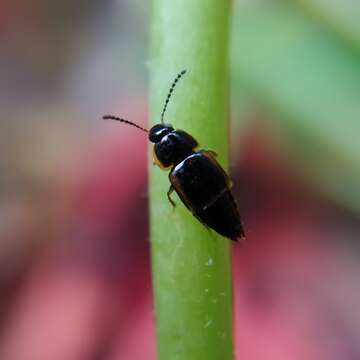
111 117
170 93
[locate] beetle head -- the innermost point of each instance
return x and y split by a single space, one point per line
157 132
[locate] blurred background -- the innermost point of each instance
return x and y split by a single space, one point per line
74 249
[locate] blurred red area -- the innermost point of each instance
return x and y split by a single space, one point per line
87 293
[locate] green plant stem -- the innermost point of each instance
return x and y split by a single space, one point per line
191 265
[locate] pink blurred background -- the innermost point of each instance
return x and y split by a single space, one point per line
74 247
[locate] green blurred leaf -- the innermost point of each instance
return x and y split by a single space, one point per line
340 15
191 265
311 81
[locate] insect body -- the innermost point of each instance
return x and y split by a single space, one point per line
196 176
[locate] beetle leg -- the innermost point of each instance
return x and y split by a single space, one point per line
211 152
171 189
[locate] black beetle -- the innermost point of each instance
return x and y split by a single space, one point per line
196 176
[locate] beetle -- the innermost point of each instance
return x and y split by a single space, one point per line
198 179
